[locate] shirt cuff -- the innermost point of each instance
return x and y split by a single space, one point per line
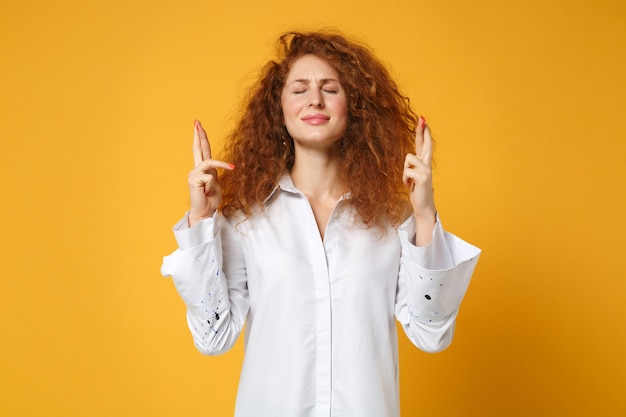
435 255
200 233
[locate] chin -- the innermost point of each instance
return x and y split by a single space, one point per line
317 141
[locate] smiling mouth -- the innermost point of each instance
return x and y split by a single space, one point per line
315 119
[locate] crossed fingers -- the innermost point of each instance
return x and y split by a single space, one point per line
418 166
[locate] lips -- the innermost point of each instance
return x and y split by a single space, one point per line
316 119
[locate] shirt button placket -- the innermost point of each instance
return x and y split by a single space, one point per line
330 249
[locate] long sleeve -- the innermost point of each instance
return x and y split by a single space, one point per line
216 304
432 283
321 339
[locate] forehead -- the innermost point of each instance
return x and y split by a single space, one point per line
311 67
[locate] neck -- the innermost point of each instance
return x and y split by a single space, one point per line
316 174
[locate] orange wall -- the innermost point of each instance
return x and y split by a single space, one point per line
526 100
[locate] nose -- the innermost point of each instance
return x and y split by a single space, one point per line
316 99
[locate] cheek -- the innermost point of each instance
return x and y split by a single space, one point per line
285 108
289 106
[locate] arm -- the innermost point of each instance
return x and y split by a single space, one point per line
432 282
216 305
435 266
417 176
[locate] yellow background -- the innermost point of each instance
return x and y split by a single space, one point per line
527 101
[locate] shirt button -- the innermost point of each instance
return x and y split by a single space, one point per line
329 250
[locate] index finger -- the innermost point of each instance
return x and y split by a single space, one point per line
201 146
427 147
197 149
204 142
423 142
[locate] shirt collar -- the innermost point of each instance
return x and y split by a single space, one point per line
285 183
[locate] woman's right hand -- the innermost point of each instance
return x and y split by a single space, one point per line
205 191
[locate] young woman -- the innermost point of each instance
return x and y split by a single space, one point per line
319 232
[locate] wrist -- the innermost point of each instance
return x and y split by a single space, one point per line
427 216
424 226
194 218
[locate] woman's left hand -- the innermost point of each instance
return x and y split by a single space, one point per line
418 176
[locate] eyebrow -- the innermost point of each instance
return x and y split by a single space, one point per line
307 81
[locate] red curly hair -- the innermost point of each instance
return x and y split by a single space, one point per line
380 131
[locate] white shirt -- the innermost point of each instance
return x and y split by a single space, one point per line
320 336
